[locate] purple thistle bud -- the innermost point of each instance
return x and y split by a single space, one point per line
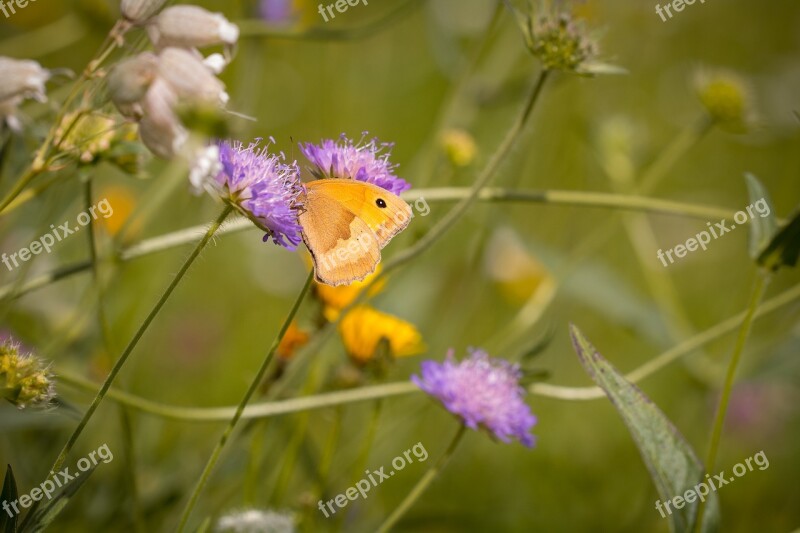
483 392
359 161
262 187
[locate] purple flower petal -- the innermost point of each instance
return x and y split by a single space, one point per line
264 187
362 161
483 392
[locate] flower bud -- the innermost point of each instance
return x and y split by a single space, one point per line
189 77
727 97
160 130
88 136
189 27
459 146
560 43
140 10
129 80
21 79
24 380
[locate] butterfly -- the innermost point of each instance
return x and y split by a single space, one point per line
345 224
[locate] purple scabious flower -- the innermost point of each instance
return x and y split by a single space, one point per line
483 392
262 187
362 161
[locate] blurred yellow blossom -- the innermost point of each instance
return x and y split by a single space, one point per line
363 328
459 146
294 339
334 299
727 97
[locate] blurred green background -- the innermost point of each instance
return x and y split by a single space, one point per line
397 81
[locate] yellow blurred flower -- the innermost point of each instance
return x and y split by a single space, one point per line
363 328
124 202
517 273
459 146
334 299
727 97
294 339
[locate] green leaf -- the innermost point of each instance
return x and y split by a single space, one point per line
762 229
784 248
673 465
40 518
8 524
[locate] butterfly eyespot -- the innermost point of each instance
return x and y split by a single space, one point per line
380 202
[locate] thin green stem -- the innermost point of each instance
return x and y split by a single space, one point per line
483 180
423 483
759 288
331 399
137 336
212 461
39 164
445 194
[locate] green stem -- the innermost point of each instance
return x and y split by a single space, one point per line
484 178
212 461
423 483
672 153
331 399
135 340
445 194
39 165
759 288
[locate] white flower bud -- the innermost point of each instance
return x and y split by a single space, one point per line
21 79
160 130
189 77
129 81
191 26
140 10
216 63
203 167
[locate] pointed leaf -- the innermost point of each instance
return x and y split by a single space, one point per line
673 465
762 228
8 524
784 248
41 518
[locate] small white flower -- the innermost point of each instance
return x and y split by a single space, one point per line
256 521
191 27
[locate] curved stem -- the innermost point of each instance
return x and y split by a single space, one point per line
484 178
135 340
759 287
330 399
423 483
444 194
212 461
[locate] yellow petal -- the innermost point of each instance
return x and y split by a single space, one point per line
363 328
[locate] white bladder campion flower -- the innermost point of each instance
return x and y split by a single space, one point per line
138 11
190 78
129 81
255 521
22 79
191 27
